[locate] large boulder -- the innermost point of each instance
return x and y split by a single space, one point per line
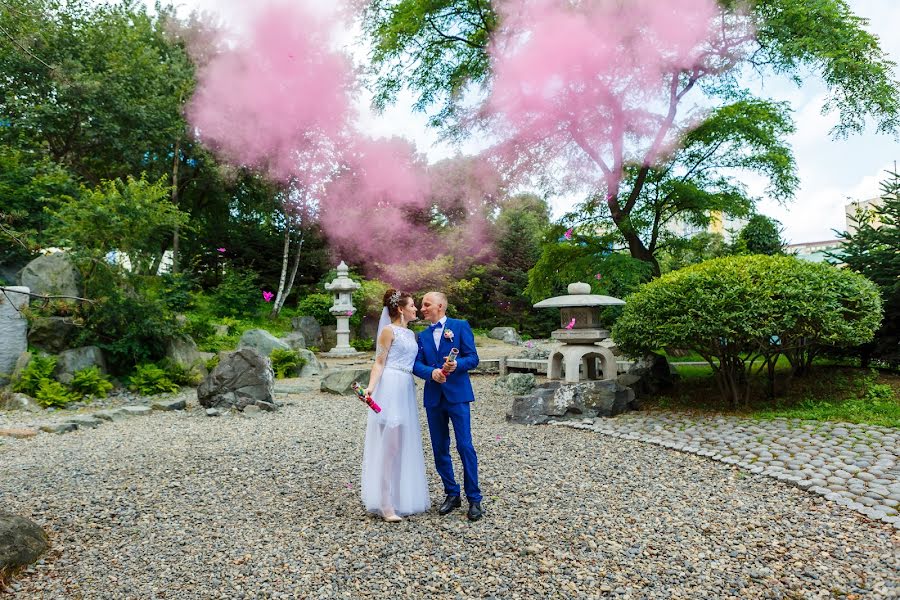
329 338
183 351
13 330
52 274
534 353
240 379
368 328
506 334
262 341
310 328
341 381
295 340
517 384
71 361
556 400
52 334
650 375
14 401
312 367
22 542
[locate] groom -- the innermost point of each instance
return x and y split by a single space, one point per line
447 399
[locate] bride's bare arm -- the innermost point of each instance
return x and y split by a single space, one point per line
382 346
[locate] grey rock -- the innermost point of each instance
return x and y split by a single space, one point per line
310 328
183 351
535 353
251 410
655 372
178 402
52 334
517 384
312 367
15 401
240 379
295 340
262 341
76 359
58 427
13 330
85 421
52 274
505 334
341 381
213 412
136 411
329 337
115 414
22 542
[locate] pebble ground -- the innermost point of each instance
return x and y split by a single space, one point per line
180 505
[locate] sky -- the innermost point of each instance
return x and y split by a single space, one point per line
831 171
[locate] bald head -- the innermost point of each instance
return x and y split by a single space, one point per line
434 306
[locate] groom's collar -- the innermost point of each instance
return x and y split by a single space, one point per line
443 320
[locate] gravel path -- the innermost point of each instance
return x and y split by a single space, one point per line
179 505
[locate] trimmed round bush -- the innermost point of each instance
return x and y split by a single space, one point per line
736 310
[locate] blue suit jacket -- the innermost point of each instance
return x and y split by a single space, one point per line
458 387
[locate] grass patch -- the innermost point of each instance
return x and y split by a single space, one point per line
829 393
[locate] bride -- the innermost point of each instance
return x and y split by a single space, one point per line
393 469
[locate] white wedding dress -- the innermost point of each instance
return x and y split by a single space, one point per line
393 468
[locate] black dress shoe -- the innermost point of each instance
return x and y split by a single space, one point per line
449 504
475 511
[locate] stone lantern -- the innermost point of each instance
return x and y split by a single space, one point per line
579 331
342 289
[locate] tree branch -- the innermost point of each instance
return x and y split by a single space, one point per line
454 38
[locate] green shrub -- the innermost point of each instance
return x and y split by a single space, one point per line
53 393
285 362
180 374
317 305
313 349
39 369
130 328
149 379
363 345
237 295
212 363
738 310
91 382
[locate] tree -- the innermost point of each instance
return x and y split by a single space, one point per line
761 235
872 251
100 86
644 169
738 310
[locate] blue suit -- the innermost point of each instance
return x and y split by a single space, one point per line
449 402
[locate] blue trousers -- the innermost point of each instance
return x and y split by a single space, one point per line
439 418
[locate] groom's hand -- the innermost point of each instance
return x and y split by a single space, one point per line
449 366
438 376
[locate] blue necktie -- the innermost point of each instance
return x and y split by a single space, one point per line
437 325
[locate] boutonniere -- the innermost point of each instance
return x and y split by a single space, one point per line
448 335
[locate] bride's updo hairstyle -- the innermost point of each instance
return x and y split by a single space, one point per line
393 300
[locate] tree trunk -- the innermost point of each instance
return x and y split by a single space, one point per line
290 284
284 265
636 246
175 240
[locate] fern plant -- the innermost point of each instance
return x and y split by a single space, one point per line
149 379
91 382
285 362
40 368
53 393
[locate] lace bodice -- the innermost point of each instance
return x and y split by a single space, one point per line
403 350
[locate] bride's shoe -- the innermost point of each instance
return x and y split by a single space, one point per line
392 517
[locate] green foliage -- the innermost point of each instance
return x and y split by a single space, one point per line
130 328
683 252
761 235
237 295
735 311
28 182
135 217
286 362
91 382
363 345
39 368
53 393
872 251
149 379
212 363
316 306
181 374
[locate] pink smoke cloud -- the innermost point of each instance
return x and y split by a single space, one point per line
587 88
278 100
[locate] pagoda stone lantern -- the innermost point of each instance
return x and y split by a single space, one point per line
579 331
342 289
